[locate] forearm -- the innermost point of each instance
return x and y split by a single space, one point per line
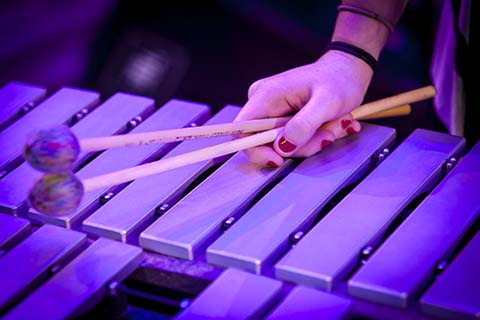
365 32
386 11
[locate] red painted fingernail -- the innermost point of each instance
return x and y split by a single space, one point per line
351 131
285 145
272 164
345 123
326 143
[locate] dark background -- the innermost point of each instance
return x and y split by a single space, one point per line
204 51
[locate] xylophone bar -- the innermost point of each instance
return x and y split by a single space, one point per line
243 296
16 99
307 303
445 296
13 229
123 111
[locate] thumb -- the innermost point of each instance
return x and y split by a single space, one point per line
303 126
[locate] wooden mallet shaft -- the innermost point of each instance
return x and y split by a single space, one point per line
261 138
234 128
388 107
175 135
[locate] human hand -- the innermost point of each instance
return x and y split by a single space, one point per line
317 93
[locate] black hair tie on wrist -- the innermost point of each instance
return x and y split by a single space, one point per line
353 50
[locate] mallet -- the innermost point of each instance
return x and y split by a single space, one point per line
55 150
60 194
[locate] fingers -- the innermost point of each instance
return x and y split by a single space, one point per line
328 133
264 156
320 140
301 129
254 86
263 103
323 137
343 126
304 134
303 126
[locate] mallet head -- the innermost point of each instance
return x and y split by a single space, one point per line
56 194
52 150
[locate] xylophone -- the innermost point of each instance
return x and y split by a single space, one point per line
369 227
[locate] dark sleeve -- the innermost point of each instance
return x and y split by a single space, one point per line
389 11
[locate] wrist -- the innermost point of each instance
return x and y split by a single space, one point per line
361 31
354 51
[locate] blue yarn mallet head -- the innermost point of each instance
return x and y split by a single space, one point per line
56 194
52 150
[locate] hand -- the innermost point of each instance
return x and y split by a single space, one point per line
317 93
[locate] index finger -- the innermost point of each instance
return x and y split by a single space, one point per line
262 105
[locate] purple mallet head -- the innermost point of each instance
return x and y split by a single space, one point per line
52 150
56 194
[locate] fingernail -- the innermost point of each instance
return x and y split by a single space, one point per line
272 164
285 145
326 143
345 123
351 131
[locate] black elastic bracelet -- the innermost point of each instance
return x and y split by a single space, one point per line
353 50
